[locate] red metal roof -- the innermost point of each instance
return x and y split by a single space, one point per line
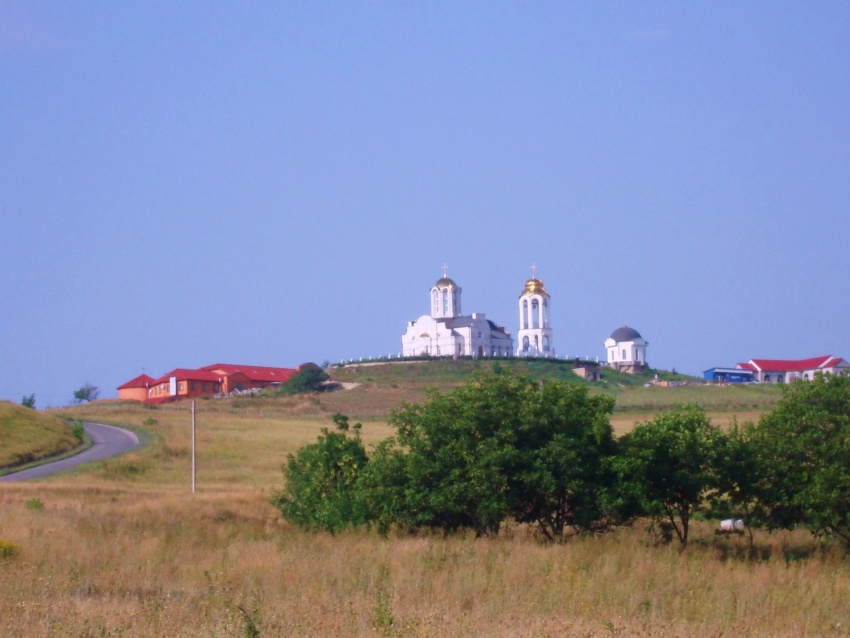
184 374
141 381
786 365
254 373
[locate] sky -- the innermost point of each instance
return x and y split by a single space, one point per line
270 183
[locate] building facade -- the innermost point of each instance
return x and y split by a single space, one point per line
534 338
788 370
626 350
447 332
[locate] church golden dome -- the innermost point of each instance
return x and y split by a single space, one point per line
534 287
445 282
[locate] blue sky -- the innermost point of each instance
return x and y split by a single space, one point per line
273 182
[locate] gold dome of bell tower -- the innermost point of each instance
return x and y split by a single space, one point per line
533 287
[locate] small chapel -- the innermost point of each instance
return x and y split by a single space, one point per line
448 332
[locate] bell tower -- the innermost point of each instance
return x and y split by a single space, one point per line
534 338
445 297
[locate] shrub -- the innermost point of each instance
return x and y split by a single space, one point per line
320 480
35 504
79 431
7 548
503 446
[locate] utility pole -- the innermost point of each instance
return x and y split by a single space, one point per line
193 446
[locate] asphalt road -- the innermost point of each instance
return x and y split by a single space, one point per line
108 441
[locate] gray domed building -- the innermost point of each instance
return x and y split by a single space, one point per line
626 350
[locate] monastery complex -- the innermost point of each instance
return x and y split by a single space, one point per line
446 331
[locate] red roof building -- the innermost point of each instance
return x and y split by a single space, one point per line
787 370
241 377
218 378
136 389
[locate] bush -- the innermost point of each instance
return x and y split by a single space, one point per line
308 378
7 548
320 480
501 447
79 431
806 442
669 467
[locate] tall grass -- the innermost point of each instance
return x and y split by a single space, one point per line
150 561
122 548
27 435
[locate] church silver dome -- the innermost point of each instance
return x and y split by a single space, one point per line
625 334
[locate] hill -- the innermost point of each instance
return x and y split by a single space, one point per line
27 435
130 535
384 385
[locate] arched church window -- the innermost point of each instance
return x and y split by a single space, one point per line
624 355
445 301
536 342
535 314
545 314
525 344
525 313
545 343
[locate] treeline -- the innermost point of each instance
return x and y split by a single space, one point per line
508 448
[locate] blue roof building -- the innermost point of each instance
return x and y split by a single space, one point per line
728 375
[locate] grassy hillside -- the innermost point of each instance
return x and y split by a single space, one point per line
123 548
384 386
27 435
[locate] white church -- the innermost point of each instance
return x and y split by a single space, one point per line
448 332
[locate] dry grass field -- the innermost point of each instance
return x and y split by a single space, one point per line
123 548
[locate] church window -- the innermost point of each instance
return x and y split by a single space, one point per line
445 301
545 343
624 355
525 344
535 314
545 314
525 313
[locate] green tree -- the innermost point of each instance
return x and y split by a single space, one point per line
500 447
807 439
741 474
450 459
29 402
86 393
563 469
320 478
669 466
308 378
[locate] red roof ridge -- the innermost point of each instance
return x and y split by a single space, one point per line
141 381
782 365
